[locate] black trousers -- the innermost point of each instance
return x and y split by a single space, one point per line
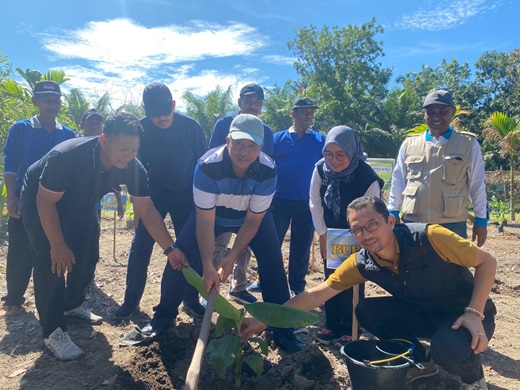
53 294
390 318
19 262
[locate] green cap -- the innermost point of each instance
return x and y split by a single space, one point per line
247 126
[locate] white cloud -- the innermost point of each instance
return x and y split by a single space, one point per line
116 45
122 57
279 60
445 14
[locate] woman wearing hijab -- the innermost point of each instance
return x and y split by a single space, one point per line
339 177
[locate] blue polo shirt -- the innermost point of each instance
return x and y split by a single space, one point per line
215 185
221 130
27 142
295 158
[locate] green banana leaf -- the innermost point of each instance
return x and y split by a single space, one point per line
255 362
222 306
280 316
222 352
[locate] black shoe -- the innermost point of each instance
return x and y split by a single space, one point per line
194 310
125 312
157 326
287 341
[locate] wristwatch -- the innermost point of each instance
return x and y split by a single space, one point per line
169 249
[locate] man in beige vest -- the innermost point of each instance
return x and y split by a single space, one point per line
439 171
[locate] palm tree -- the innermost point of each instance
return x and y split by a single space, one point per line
505 130
77 104
208 109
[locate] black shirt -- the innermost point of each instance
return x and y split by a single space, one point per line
170 156
74 169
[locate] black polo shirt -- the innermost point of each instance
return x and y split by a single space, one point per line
74 169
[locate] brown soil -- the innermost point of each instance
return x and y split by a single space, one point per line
163 363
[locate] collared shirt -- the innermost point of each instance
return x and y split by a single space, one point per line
73 168
476 174
295 157
217 186
27 142
221 130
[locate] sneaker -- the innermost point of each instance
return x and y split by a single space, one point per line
61 346
196 311
125 313
83 313
479 385
244 297
9 310
287 341
430 369
255 286
326 336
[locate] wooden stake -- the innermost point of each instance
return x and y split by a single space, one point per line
312 257
114 246
355 301
192 377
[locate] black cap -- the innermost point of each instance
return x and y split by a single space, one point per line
157 100
304 102
92 112
47 87
252 89
439 96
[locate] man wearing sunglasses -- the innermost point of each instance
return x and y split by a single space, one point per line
433 294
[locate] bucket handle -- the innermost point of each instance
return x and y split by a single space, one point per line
403 355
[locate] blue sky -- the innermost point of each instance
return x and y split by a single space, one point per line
119 46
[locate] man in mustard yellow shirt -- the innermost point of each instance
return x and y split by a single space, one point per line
433 295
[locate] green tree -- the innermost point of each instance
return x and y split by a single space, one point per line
398 113
209 109
278 105
132 108
77 104
343 72
505 130
498 79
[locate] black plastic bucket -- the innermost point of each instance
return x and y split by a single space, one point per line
365 376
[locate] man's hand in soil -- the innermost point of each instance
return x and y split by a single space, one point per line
251 326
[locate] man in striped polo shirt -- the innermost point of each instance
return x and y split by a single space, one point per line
233 188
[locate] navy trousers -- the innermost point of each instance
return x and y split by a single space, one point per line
298 215
391 318
19 262
265 247
141 251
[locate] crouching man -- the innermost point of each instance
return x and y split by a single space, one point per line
59 195
232 189
433 293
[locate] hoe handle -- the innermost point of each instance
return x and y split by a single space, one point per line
192 378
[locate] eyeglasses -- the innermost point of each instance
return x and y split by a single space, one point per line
340 156
369 227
